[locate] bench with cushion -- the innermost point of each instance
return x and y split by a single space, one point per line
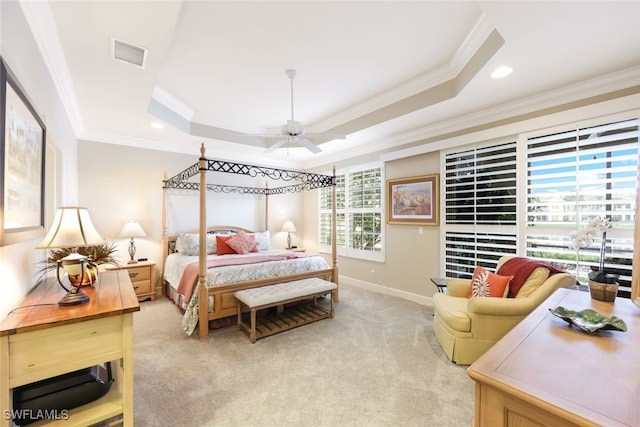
278 295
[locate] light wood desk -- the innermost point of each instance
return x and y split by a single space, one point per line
546 373
42 341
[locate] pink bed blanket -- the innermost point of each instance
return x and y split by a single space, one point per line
190 274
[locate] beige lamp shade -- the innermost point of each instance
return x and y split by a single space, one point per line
132 229
288 227
71 228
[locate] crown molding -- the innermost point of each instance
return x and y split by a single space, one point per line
611 83
168 100
229 153
42 25
165 98
474 41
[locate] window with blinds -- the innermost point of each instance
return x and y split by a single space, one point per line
360 207
480 185
577 175
480 207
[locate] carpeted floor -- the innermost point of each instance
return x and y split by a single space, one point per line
377 363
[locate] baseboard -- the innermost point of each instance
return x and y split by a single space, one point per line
381 289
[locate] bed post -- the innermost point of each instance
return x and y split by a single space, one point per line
266 206
165 239
203 293
334 251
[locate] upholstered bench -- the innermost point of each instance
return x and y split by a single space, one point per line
256 299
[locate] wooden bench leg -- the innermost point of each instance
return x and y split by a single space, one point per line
252 333
332 305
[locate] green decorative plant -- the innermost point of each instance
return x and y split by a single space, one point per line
99 254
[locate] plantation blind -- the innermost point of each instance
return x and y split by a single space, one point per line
360 205
480 207
574 176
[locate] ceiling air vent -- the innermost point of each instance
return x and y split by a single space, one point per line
130 53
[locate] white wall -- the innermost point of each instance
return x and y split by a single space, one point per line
18 48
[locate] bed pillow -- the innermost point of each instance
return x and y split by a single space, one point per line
487 284
212 246
263 240
242 243
223 248
187 244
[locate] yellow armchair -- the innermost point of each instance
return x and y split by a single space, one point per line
467 327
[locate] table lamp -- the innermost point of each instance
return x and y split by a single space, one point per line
132 229
71 228
289 228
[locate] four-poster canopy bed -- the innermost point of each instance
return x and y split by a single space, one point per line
218 277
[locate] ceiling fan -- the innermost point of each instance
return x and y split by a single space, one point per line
293 131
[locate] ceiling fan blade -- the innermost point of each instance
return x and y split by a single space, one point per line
326 136
276 146
309 145
259 135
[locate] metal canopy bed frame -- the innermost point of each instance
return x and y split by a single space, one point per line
297 181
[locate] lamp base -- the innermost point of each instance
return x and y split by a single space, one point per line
74 297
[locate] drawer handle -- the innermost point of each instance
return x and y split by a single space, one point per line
136 287
132 275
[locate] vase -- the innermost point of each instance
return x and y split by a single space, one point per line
89 278
603 291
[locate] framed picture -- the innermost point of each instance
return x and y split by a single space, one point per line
22 152
413 200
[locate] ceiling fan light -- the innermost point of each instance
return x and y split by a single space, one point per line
293 128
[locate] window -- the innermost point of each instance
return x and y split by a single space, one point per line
563 180
359 213
480 207
574 176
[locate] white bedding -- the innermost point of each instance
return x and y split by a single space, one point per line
176 263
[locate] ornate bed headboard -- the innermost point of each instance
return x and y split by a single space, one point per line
214 229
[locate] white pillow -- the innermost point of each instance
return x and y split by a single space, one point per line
187 244
263 241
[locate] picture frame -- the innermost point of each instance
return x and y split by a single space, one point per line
414 200
22 163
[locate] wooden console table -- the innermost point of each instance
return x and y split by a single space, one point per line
546 373
41 339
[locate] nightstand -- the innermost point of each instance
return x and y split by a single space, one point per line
143 278
44 340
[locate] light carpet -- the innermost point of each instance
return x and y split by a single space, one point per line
377 363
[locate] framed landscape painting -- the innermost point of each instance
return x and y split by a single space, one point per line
22 152
413 200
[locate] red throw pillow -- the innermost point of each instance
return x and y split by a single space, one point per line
242 243
223 248
487 284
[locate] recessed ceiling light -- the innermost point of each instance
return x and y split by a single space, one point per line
502 71
157 125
